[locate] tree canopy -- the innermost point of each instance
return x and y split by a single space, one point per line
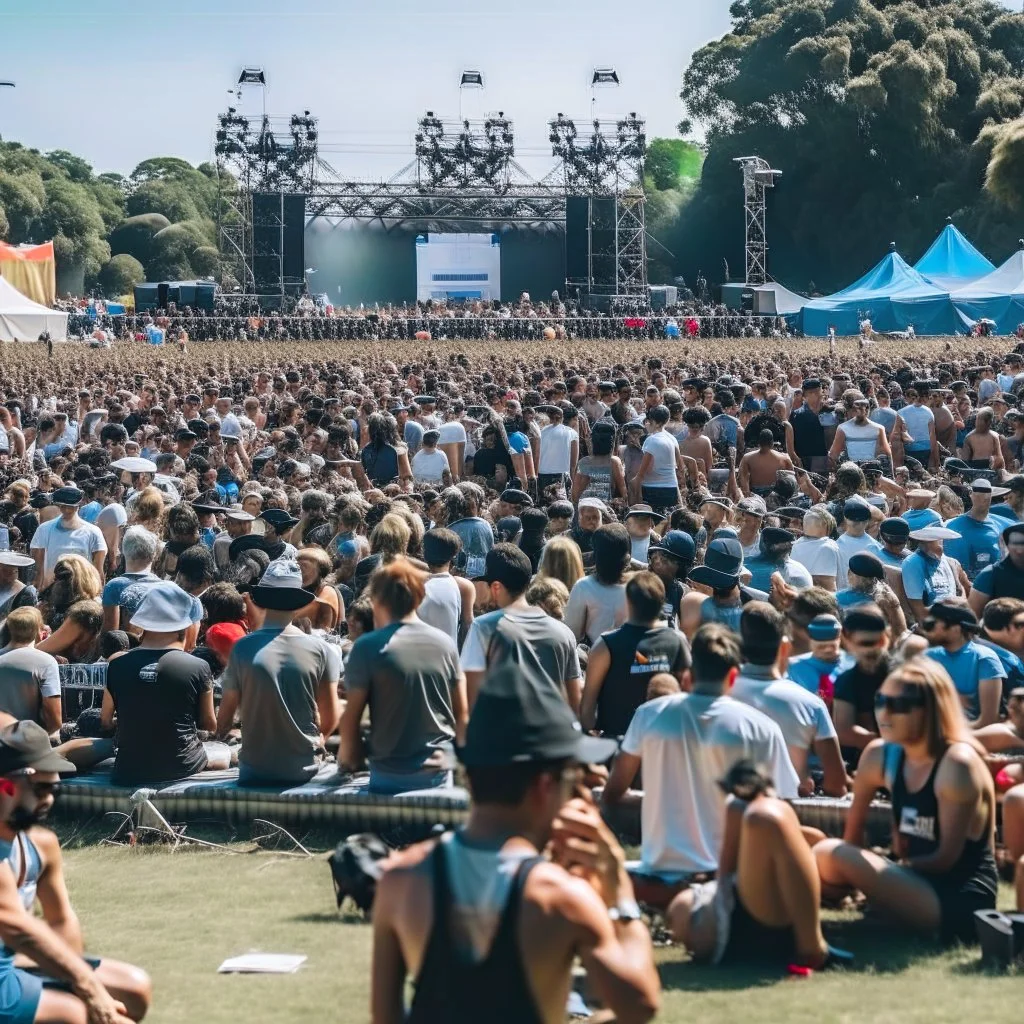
885 118
158 222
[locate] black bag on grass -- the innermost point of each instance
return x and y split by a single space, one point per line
356 869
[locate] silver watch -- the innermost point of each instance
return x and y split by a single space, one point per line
625 910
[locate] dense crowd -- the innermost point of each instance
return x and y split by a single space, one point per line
743 576
523 321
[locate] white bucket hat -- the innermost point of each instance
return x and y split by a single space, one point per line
165 608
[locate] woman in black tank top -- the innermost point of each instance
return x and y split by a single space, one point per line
943 807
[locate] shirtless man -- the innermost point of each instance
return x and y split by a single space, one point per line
945 425
760 469
489 928
695 445
982 449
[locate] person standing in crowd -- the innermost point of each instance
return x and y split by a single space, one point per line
559 452
854 539
920 423
685 742
929 575
816 551
284 685
802 716
623 661
448 600
597 603
661 473
68 534
479 919
867 639
1005 578
518 633
978 532
976 671
808 429
407 673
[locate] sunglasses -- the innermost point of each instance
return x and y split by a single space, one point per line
909 700
44 789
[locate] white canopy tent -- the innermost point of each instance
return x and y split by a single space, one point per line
21 319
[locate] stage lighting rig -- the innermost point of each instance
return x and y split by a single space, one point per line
471 154
610 159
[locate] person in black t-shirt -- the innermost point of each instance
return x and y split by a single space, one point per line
161 697
623 662
866 632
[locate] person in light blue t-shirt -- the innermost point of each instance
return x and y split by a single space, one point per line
975 669
977 546
818 669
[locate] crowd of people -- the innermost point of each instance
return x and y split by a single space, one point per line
520 321
705 585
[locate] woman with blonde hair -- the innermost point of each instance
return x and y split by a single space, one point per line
327 609
548 594
148 511
74 579
561 560
943 809
947 503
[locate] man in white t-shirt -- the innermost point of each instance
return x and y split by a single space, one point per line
854 539
661 468
559 449
801 715
429 465
70 534
686 743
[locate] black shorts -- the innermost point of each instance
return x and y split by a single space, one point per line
959 900
755 944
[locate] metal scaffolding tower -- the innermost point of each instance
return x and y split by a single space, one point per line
758 177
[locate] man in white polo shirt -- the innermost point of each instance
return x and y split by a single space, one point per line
70 534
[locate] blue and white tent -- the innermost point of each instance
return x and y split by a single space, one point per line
892 295
998 296
952 261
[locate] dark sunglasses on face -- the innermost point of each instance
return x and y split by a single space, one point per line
45 789
912 697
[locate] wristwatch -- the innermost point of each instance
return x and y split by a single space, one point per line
625 910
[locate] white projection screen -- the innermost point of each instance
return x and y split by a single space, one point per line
457 266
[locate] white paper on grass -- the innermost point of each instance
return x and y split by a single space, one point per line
262 963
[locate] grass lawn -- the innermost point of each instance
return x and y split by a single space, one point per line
179 914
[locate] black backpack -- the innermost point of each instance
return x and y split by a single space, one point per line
356 869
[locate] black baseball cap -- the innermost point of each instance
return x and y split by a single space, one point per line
508 565
518 719
514 496
896 528
953 613
865 564
26 745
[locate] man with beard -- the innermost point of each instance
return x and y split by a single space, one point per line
43 974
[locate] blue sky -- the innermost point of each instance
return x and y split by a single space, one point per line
117 81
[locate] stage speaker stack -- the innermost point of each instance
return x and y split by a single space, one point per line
278 242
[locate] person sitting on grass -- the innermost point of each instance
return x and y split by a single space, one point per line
684 743
29 679
943 810
284 684
44 975
764 907
159 697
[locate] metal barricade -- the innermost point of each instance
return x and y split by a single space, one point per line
81 687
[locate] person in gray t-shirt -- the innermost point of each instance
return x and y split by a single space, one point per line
29 679
284 683
519 634
408 674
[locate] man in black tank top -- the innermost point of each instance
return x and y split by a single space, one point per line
523 755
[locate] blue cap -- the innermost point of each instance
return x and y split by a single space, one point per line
824 627
677 543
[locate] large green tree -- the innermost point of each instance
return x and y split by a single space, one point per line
885 117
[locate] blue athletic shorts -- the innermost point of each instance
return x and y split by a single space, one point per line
21 990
